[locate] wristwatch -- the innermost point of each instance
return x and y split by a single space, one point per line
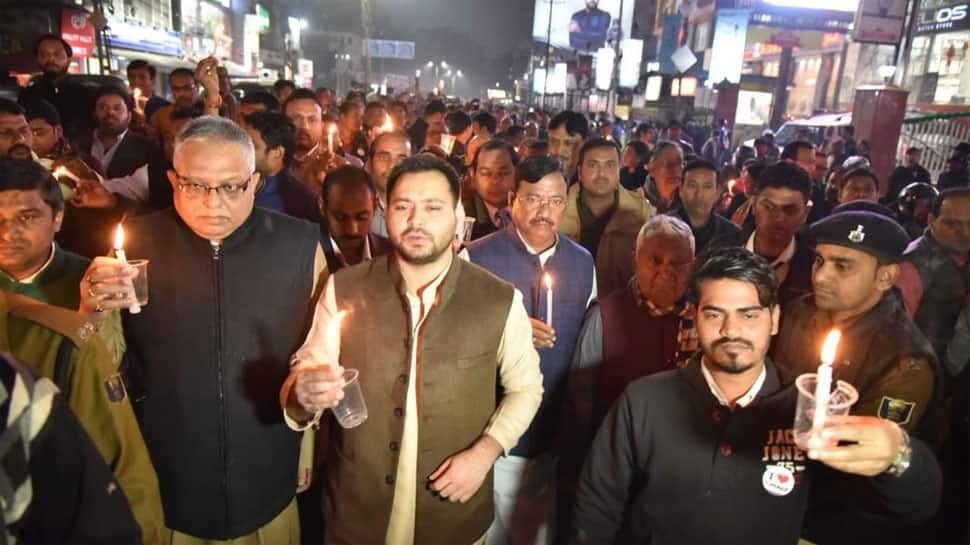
903 456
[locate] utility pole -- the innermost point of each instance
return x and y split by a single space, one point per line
365 23
545 80
615 77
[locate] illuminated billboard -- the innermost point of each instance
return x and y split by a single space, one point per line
581 25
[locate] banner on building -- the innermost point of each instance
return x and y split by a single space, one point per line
585 26
879 21
78 31
584 72
953 16
605 58
669 43
727 54
556 83
141 38
632 51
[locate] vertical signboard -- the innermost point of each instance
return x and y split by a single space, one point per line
78 31
727 54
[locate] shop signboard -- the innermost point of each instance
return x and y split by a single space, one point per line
949 18
77 30
879 21
727 54
570 24
136 37
632 55
390 49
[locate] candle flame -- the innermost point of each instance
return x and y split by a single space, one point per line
547 280
59 171
830 345
137 93
119 238
388 125
332 129
333 333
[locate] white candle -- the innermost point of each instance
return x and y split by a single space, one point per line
330 138
333 338
119 246
548 282
63 171
388 125
823 385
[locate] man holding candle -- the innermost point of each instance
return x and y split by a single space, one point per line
206 357
882 352
528 253
705 453
433 338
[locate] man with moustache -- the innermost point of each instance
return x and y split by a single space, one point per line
698 194
602 216
72 99
348 202
882 353
428 371
685 456
492 178
567 132
310 157
523 253
388 150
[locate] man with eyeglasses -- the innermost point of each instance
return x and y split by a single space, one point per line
231 289
523 253
602 216
781 206
386 152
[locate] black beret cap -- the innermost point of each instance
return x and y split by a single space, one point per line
860 205
868 232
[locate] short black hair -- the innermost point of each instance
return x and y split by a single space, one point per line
28 175
301 94
640 149
674 123
457 122
573 122
861 173
8 106
533 169
492 145
785 175
280 84
424 162
643 128
53 38
538 146
596 143
276 130
700 164
664 145
181 72
262 97
139 64
347 106
396 132
487 120
736 264
790 151
946 194
435 107
347 175
41 109
123 94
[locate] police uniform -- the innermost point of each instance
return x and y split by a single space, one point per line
60 345
882 353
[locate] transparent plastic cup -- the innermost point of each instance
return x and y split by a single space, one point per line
140 281
840 401
351 411
466 234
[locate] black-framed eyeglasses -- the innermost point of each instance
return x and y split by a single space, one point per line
194 189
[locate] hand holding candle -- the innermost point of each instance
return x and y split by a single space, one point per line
119 244
547 280
63 171
823 384
819 405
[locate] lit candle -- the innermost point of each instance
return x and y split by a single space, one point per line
388 125
548 282
823 386
63 171
119 246
333 338
330 132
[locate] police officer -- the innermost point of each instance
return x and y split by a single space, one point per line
882 352
59 345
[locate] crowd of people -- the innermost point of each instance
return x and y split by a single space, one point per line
559 338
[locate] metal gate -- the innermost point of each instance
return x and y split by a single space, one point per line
936 135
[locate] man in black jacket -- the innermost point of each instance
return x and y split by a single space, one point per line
231 289
699 192
72 99
705 453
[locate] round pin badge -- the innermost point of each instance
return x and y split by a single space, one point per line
778 480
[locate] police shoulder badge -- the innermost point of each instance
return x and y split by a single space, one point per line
897 410
857 235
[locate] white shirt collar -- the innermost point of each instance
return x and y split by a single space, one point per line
782 259
367 252
742 401
30 279
543 255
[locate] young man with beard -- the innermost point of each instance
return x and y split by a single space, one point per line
387 151
699 193
705 454
602 216
567 132
431 357
882 353
523 253
72 100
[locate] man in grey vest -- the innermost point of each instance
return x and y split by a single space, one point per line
432 337
231 290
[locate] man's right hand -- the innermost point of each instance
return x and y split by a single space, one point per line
106 286
543 336
316 387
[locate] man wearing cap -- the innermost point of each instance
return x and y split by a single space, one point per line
882 352
907 173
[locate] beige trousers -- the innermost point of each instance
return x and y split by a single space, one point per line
282 530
